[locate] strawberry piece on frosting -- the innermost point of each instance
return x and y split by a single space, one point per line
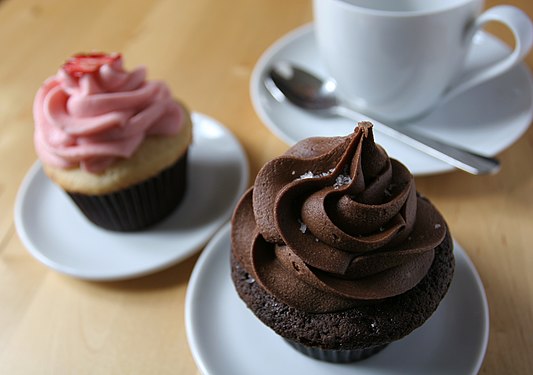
87 63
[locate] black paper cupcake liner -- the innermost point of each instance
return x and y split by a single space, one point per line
336 356
139 206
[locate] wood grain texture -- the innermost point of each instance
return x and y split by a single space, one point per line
205 50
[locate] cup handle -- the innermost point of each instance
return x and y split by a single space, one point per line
521 27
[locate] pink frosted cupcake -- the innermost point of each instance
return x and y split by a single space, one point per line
115 142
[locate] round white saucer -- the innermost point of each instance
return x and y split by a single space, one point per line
57 234
485 119
226 338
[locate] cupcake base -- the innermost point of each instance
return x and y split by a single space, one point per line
363 326
139 206
336 356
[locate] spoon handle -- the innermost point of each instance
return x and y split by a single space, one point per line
457 157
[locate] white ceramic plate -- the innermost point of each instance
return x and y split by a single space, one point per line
485 119
226 338
57 234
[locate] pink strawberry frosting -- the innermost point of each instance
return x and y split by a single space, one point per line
92 119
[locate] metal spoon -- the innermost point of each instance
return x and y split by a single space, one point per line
286 81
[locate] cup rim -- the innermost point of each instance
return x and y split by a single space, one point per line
403 14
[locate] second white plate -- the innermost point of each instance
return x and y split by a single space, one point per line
57 234
485 119
226 338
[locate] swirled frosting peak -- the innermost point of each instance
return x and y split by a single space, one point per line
335 222
93 112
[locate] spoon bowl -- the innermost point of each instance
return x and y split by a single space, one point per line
302 89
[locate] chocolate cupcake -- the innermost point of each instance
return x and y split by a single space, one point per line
115 142
334 249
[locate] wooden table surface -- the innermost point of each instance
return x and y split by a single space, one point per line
206 50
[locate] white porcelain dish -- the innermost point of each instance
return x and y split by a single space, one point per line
486 119
226 338
56 233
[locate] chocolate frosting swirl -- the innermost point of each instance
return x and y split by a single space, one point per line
335 222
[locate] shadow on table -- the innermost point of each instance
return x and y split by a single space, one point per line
173 276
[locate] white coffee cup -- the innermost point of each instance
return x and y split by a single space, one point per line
396 59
